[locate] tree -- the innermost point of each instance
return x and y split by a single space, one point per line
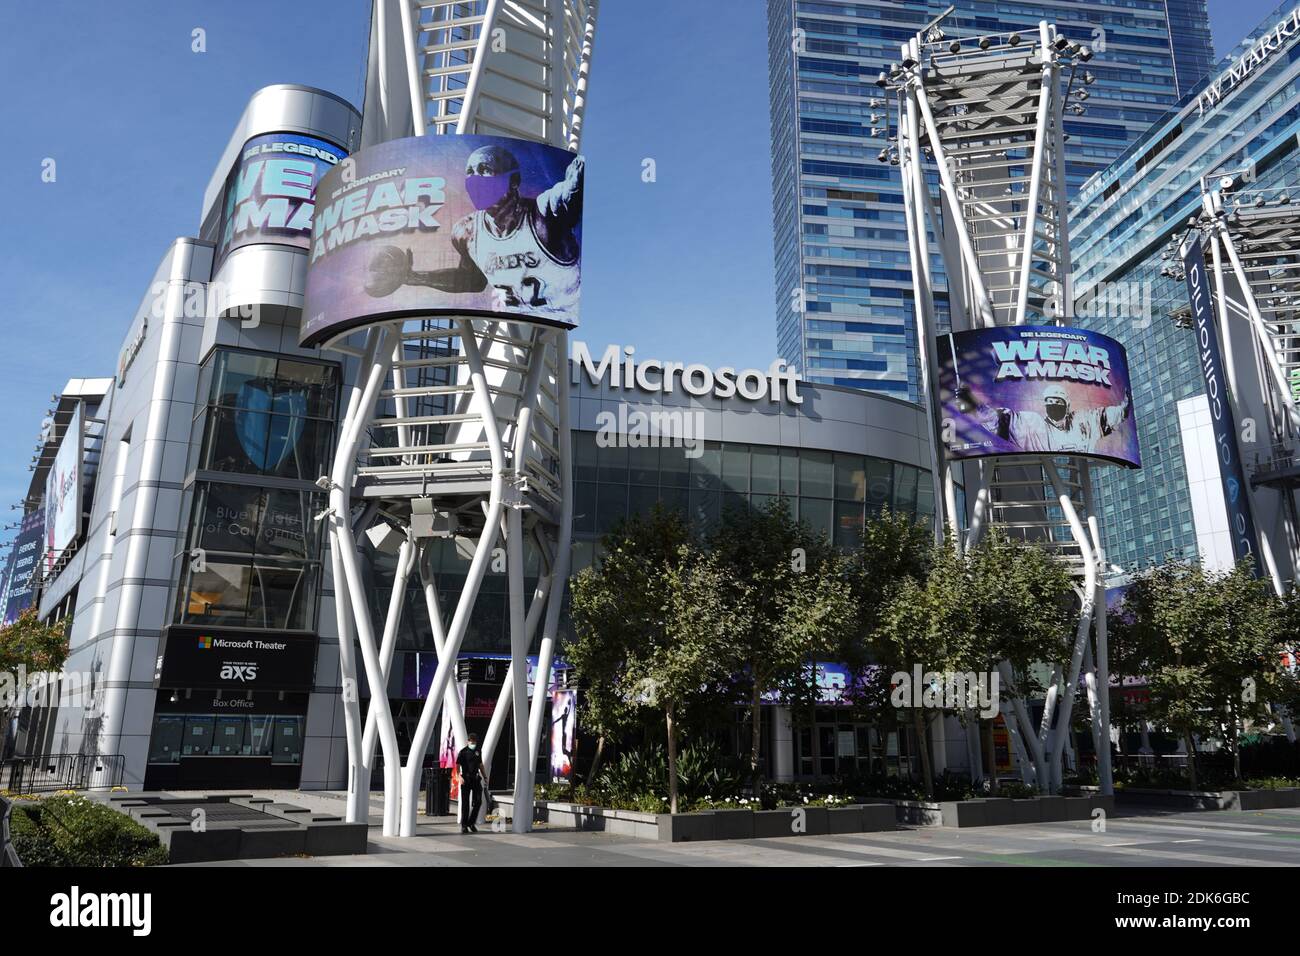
894 548
999 607
649 630
34 645
687 654
30 645
1019 614
787 593
1211 646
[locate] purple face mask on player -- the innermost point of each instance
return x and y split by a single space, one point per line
486 191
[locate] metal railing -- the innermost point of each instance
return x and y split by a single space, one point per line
8 855
50 772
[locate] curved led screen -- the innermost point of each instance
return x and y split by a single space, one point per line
446 225
270 195
1036 389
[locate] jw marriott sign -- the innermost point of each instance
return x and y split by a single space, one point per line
1246 64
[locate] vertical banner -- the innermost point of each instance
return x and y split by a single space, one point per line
564 733
1236 492
63 492
24 559
447 752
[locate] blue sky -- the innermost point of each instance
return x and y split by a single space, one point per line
135 121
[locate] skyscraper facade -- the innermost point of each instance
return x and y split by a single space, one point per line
843 280
1124 226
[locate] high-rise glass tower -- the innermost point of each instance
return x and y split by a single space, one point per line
843 278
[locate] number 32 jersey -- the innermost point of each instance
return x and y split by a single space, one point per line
523 275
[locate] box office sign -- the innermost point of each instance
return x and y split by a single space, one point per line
247 660
219 701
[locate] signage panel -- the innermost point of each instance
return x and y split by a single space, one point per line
24 560
63 492
446 225
248 660
1036 389
1236 491
271 193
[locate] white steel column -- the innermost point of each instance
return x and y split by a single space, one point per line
990 109
479 407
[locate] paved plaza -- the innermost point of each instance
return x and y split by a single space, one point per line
1150 839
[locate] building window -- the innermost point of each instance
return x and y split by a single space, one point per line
262 436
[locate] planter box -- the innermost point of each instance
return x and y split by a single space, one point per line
1051 809
733 824
878 816
1188 799
999 811
1268 799
686 827
918 813
847 819
989 812
963 813
773 823
717 824
1078 808
579 816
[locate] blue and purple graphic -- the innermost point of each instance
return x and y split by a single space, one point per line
1036 389
446 225
271 192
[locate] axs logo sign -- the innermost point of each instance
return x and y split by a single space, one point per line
239 672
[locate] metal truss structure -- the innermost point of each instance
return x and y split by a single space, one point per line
1253 235
986 115
457 430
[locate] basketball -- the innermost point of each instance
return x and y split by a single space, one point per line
388 271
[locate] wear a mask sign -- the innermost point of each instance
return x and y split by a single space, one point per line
270 196
446 225
1018 390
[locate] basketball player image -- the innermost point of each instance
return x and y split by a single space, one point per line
527 250
1058 428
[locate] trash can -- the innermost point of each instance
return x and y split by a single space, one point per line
437 792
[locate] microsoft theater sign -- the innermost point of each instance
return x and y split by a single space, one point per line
1248 62
621 368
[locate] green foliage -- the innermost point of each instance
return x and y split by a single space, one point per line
787 597
703 771
33 645
69 830
1016 790
632 613
638 780
1211 647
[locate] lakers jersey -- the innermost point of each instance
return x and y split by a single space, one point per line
524 276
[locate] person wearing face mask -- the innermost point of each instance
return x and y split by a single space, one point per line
1059 428
526 249
472 781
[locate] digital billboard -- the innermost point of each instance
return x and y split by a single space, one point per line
63 492
1036 389
24 559
564 734
446 225
270 194
1232 474
247 660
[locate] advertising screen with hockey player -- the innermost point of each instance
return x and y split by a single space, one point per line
1029 389
446 225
